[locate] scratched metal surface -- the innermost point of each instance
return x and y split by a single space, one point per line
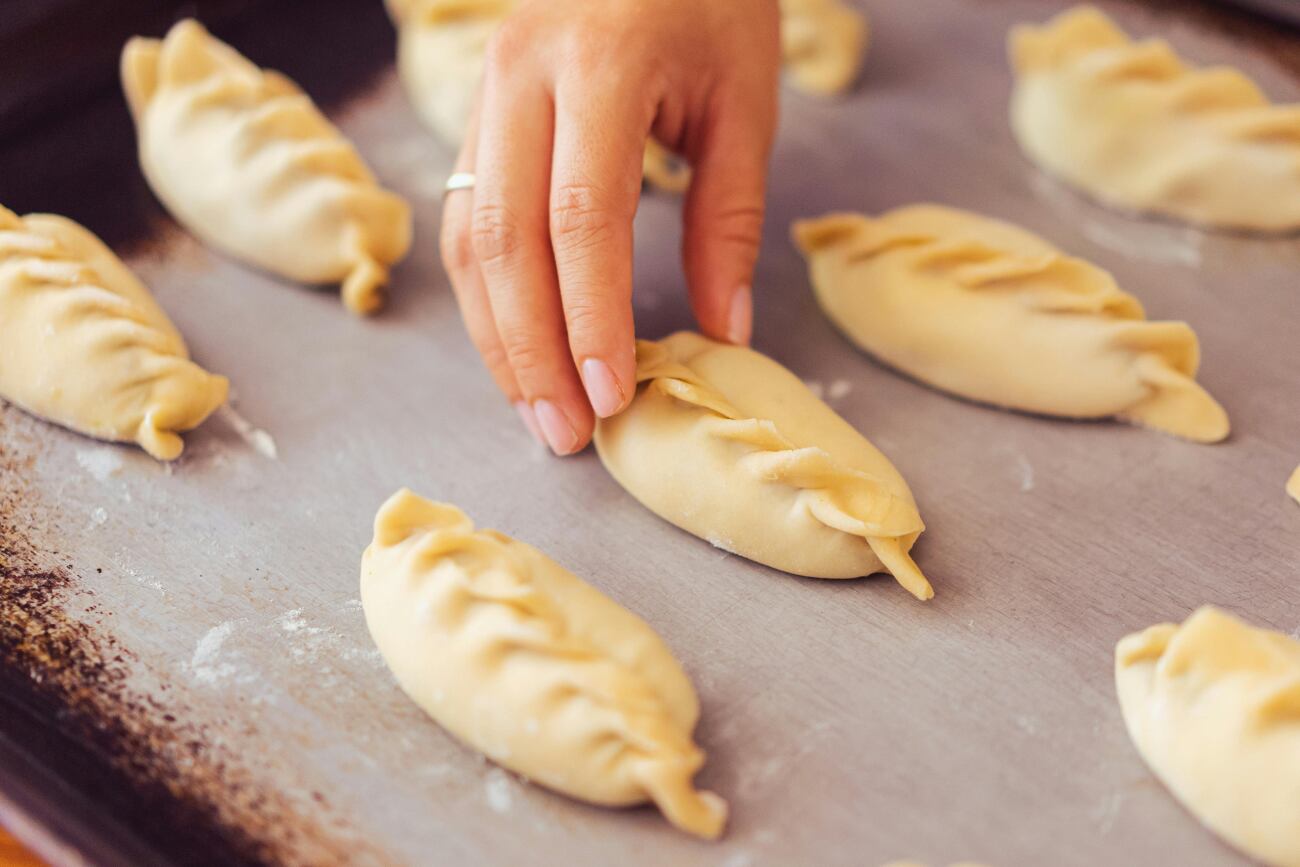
845 722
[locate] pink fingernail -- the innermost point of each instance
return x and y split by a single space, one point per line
530 420
740 319
603 390
560 435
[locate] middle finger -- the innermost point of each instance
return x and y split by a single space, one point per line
511 239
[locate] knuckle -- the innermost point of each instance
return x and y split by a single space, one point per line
740 224
581 217
494 355
589 50
505 48
524 352
494 233
585 315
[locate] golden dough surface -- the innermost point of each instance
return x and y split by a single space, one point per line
83 343
1139 128
530 665
730 446
1213 706
243 159
988 311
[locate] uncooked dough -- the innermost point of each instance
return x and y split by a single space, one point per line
823 43
1214 708
530 665
729 445
1293 485
84 344
243 159
988 311
1135 126
664 169
441 51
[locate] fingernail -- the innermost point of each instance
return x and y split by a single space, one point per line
740 320
530 420
603 390
560 435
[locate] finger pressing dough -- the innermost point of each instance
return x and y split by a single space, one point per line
729 445
244 159
823 43
525 662
83 344
1293 485
1138 128
1214 708
988 311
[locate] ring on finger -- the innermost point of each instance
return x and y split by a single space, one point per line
459 181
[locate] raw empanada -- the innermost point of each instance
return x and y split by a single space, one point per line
1214 708
243 159
664 169
822 44
441 50
83 344
525 662
993 313
1135 126
1293 485
729 445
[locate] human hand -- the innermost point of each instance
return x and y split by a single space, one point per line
540 251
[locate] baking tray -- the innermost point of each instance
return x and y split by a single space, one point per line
185 674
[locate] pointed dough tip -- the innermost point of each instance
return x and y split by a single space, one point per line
363 289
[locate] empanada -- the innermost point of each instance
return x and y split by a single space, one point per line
823 43
525 662
1214 708
664 169
729 445
243 159
1293 485
441 51
988 311
1135 126
83 343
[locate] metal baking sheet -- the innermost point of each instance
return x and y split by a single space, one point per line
184 656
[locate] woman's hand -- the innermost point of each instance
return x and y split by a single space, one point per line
540 251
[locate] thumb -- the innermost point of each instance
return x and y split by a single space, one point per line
724 222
